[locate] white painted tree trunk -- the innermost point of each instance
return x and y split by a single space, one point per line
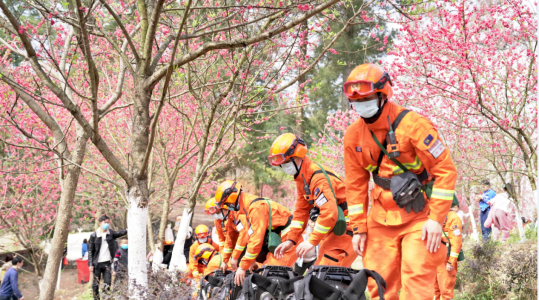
519 224
136 223
178 260
475 234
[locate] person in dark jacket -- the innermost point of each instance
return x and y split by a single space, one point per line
120 261
10 289
101 250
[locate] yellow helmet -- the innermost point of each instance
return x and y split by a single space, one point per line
202 231
211 208
286 146
227 194
203 253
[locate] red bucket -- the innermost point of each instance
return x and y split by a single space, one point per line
83 271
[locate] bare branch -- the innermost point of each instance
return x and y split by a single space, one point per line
122 27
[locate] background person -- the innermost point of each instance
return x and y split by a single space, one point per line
484 208
102 247
84 247
499 213
121 261
10 289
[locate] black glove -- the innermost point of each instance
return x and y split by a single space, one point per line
417 204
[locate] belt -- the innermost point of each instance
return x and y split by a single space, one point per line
350 233
385 183
281 228
343 206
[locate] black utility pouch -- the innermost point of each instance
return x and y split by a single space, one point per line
405 188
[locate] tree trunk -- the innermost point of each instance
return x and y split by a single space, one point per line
63 218
150 233
164 218
178 261
519 223
475 234
136 222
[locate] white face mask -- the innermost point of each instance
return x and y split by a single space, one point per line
218 216
289 168
202 241
366 109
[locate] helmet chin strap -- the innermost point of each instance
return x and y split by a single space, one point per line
381 104
296 166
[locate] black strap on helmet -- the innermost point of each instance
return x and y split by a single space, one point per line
292 147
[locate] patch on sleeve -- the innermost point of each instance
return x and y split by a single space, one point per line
455 226
358 149
250 231
321 200
428 140
456 232
437 149
239 226
316 192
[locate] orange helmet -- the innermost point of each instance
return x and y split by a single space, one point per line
202 231
367 79
285 146
211 208
203 253
227 194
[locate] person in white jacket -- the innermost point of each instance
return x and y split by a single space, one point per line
499 215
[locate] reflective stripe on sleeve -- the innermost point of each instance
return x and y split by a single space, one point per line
410 166
321 229
371 168
250 255
355 209
221 244
286 230
227 250
347 219
453 254
297 224
239 248
442 194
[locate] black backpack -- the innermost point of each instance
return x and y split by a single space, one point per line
269 282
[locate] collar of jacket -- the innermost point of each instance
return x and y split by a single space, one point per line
390 109
99 234
305 169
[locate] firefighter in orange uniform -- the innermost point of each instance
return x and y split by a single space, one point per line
203 236
314 195
447 271
251 235
401 236
207 256
219 222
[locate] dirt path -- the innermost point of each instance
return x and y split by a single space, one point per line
69 287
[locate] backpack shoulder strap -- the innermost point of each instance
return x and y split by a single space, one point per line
329 182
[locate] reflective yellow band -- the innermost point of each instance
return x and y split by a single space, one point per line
321 229
195 273
355 209
285 231
227 250
442 194
371 168
296 224
250 255
453 254
221 244
416 165
239 248
347 219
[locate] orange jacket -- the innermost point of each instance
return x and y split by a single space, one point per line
194 265
220 228
258 216
321 196
453 229
236 243
215 262
232 234
420 148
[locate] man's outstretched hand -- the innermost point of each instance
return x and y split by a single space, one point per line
358 242
282 248
432 230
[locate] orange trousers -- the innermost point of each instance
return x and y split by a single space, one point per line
401 257
445 282
336 251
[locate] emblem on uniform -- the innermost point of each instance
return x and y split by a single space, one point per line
316 192
358 149
428 140
454 226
